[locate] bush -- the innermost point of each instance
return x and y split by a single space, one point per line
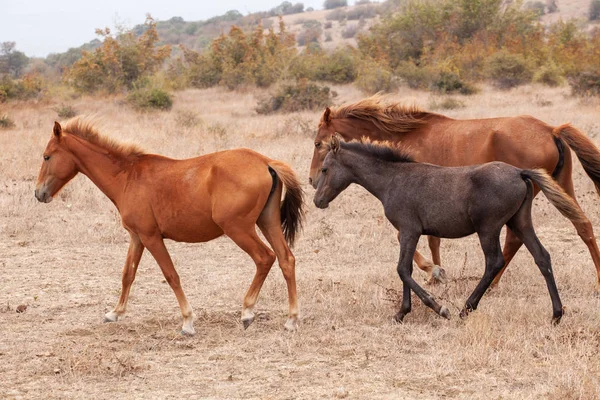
450 82
549 75
448 103
339 67
301 96
350 31
586 83
414 76
374 78
146 97
594 12
336 15
537 7
364 12
65 111
331 4
508 70
6 122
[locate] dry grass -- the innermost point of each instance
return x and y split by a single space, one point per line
64 259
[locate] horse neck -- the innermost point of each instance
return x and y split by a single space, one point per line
355 129
371 173
105 169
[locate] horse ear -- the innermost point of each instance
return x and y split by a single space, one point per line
57 129
335 143
327 115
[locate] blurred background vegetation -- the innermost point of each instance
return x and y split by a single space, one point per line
445 46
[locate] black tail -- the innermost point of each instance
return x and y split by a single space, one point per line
292 207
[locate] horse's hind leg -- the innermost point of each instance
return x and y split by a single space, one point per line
245 236
134 254
269 223
584 228
494 261
522 226
512 244
408 244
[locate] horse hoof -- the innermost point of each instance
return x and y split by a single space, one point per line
290 325
464 313
110 317
398 318
558 316
444 312
438 275
247 322
188 332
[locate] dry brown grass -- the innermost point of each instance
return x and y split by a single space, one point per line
64 260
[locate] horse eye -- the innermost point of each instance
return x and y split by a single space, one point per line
46 158
323 170
317 144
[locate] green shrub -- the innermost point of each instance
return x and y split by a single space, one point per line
414 76
450 82
374 78
549 75
330 4
508 70
301 96
447 103
146 97
65 111
586 83
339 67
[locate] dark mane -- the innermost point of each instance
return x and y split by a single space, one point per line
391 118
84 129
382 151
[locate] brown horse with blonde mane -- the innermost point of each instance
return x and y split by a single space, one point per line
192 200
522 141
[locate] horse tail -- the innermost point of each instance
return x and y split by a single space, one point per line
555 194
584 148
292 207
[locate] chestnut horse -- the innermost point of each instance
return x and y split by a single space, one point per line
522 141
192 200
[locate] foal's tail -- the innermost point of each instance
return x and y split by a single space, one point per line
555 194
292 207
584 148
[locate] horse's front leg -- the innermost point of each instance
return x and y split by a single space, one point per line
435 273
408 245
134 254
157 248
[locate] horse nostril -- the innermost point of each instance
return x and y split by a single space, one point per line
310 180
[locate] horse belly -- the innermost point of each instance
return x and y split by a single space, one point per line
190 229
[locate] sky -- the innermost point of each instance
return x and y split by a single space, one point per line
40 27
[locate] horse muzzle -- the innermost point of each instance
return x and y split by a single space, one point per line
321 203
42 196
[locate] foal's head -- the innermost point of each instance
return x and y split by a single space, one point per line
333 177
57 169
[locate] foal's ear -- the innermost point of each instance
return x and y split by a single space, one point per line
57 129
327 116
334 144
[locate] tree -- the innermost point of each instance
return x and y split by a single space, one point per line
12 62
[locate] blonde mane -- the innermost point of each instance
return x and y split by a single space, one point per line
84 129
391 118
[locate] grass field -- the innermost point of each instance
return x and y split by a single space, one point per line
63 261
